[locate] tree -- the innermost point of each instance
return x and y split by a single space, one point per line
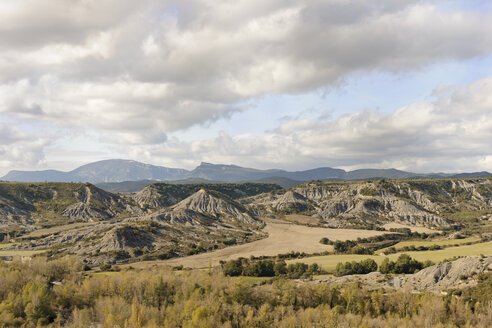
233 268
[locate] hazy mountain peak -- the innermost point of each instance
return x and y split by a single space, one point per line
119 170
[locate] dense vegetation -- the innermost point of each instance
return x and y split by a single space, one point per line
362 267
404 264
268 268
57 294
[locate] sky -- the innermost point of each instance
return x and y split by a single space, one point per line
289 84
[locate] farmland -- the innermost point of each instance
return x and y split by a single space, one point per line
282 238
329 262
442 243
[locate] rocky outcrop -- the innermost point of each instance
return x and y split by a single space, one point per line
179 216
216 205
124 238
411 202
84 212
291 201
150 197
446 275
26 204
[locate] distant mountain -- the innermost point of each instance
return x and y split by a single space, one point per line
230 173
283 182
127 171
482 174
233 173
363 174
113 170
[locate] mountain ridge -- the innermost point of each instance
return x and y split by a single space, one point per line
119 170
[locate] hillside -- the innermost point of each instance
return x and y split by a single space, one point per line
159 195
168 220
31 205
432 203
204 221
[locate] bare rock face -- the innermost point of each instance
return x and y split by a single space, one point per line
124 238
411 202
448 275
26 204
83 212
216 205
150 197
292 201
179 216
10 215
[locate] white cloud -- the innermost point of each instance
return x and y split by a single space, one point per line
134 72
419 137
19 148
168 65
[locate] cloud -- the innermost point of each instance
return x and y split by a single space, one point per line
153 67
452 132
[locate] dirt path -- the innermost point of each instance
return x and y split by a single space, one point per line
282 238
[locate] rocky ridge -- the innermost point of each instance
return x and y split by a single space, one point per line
419 203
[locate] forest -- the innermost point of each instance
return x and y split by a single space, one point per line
58 293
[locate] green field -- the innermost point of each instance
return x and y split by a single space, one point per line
329 262
418 243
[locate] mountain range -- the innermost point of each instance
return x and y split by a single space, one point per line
118 170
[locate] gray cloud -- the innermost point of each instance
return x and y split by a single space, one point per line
129 66
136 71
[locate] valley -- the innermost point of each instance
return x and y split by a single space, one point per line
282 238
170 246
200 224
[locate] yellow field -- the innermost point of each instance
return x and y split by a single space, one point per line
282 238
329 262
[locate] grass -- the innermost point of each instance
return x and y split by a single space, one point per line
7 245
251 280
20 253
329 262
105 273
418 243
